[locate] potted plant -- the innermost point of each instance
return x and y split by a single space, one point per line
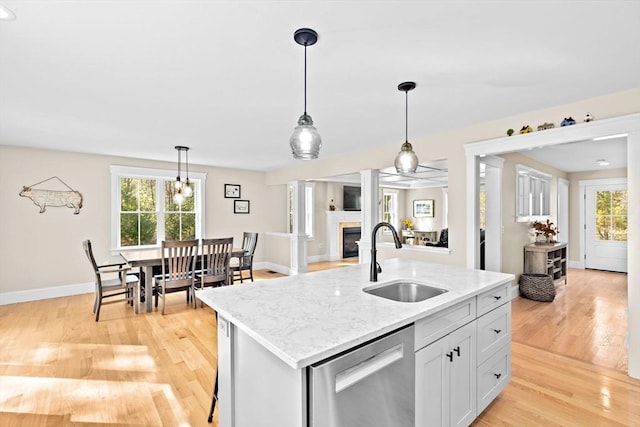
546 229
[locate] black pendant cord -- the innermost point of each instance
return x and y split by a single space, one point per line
305 79
406 116
179 161
186 154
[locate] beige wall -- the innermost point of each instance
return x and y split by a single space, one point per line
516 234
425 223
44 250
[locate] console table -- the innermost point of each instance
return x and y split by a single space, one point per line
548 259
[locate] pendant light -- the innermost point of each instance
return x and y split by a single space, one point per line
305 141
187 190
406 160
182 189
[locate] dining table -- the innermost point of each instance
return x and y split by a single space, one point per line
146 260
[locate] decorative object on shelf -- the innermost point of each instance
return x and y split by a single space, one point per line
526 129
546 229
509 132
407 224
588 118
332 206
305 141
231 191
423 208
546 126
568 121
43 198
240 206
537 287
406 160
182 189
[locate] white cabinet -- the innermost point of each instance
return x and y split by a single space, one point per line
463 359
446 380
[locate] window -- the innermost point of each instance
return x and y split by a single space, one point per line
390 208
533 194
445 207
143 211
611 215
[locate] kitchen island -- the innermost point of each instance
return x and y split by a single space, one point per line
271 332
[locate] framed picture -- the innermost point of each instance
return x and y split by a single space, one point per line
423 208
231 191
240 206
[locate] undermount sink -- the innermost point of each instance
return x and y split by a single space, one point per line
404 291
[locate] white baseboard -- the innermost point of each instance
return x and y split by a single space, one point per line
265 265
318 258
576 264
46 293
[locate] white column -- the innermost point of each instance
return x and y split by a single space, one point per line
493 213
473 216
370 179
633 249
298 236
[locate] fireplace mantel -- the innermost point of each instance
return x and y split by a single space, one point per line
336 221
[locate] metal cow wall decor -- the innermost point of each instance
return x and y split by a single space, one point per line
43 198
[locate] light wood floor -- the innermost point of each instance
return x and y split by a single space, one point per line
58 367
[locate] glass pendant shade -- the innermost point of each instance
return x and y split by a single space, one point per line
186 189
178 197
305 141
406 160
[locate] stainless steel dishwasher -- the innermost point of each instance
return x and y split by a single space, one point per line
372 385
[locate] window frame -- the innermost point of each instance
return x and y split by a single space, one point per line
160 175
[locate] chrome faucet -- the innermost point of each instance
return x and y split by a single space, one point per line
375 267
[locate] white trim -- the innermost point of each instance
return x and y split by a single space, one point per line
46 293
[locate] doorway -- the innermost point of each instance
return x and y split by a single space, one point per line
606 233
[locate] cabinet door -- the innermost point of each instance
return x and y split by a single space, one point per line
461 357
432 390
446 380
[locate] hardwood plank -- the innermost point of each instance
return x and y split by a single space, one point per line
59 367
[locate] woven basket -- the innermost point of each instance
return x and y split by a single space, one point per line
538 287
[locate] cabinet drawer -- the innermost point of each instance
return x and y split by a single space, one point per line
439 324
493 376
489 300
494 331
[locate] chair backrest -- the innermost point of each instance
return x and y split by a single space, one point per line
179 261
86 245
215 257
249 242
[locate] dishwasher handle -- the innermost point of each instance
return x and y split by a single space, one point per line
362 370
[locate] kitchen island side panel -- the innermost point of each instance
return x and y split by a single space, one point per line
266 391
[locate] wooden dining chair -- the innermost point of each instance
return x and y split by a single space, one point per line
111 280
249 242
214 263
178 269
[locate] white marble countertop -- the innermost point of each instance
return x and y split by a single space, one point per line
306 318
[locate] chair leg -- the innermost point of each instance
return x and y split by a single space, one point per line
99 303
214 399
251 273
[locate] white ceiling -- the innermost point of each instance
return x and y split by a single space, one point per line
134 78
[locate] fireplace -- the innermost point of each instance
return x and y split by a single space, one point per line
350 235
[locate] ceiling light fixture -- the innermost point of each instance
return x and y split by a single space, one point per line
305 141
602 162
182 189
6 14
406 160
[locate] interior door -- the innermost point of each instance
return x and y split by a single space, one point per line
606 227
